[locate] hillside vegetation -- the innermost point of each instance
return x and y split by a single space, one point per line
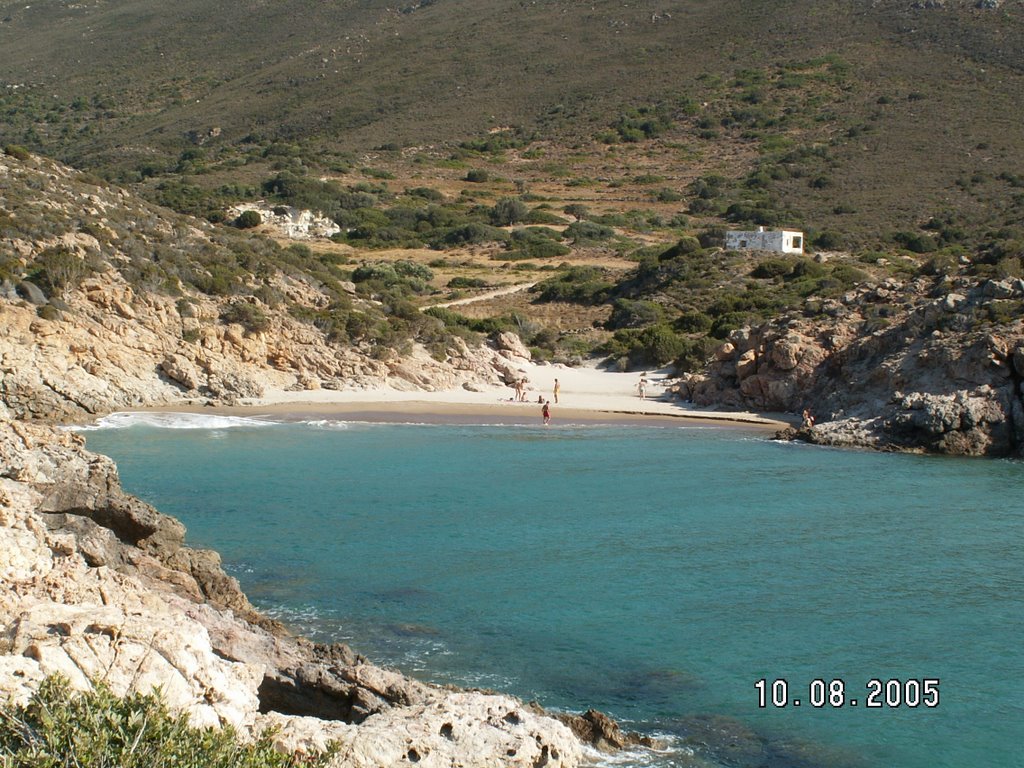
862 119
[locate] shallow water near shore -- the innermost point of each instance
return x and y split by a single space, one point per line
653 573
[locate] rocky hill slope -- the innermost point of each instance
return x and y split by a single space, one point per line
108 302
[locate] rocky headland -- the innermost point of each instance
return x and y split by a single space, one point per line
923 364
98 586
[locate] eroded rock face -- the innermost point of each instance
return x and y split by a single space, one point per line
931 377
118 350
96 585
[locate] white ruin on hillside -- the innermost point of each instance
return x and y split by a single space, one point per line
293 223
781 241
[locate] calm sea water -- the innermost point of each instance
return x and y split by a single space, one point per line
654 573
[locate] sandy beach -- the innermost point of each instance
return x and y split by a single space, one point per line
587 395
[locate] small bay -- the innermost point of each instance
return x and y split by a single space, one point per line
655 573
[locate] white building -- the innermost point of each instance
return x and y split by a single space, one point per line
781 241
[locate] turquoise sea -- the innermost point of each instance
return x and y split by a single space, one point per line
656 573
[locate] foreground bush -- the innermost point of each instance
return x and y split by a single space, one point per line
59 728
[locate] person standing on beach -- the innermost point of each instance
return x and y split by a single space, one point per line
558 389
642 387
546 412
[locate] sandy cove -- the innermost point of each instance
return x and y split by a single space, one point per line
587 395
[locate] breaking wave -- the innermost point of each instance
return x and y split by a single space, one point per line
125 420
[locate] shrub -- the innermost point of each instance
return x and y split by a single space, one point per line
473 233
655 345
427 193
538 216
249 316
508 211
940 264
467 282
915 241
627 313
667 195
582 231
477 175
59 270
580 285
538 242
577 210
18 152
771 268
829 240
685 247
60 728
248 220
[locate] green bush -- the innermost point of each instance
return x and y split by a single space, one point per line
653 346
508 211
59 728
248 220
249 316
473 233
941 264
535 243
477 175
577 210
467 282
917 242
627 313
580 285
771 268
58 269
583 231
427 193
18 152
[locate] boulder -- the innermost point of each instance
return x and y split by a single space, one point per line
786 353
180 369
509 342
746 365
32 293
724 351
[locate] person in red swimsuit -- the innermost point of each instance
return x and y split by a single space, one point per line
546 411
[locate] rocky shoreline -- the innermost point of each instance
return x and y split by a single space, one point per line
935 375
99 585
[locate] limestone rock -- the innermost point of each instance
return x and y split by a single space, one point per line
506 341
180 369
32 293
746 365
96 585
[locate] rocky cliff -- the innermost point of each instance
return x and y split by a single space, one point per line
97 585
933 364
108 302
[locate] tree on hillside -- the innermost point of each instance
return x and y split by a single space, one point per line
508 211
577 211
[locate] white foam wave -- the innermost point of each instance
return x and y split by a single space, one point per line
674 754
127 419
325 424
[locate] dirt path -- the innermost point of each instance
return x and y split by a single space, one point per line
505 291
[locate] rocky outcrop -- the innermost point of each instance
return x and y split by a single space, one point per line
97 585
120 349
905 366
293 223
